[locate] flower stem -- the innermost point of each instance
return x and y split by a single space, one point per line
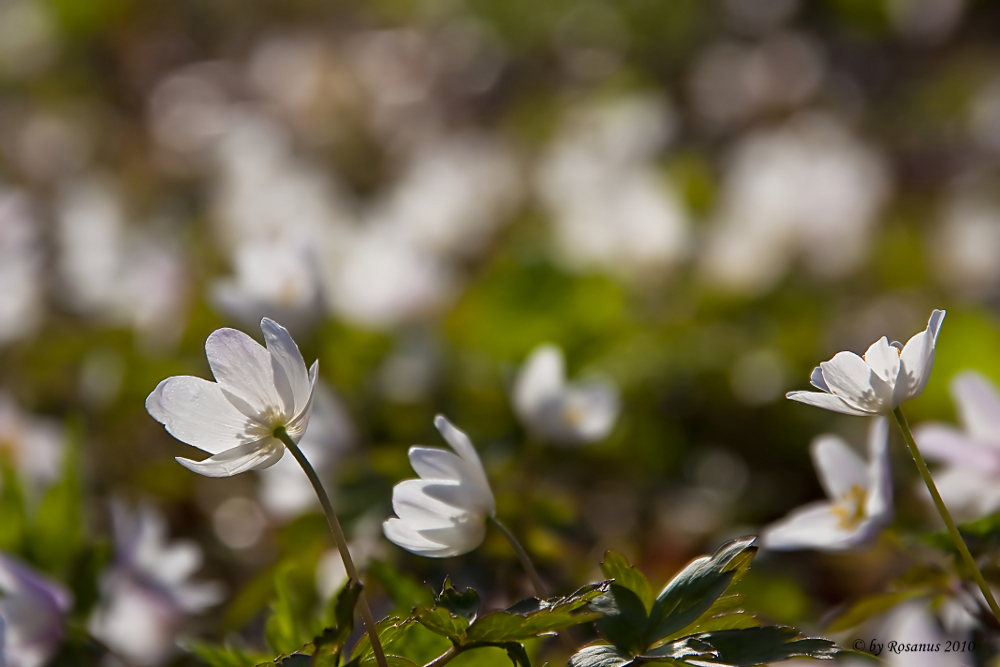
444 658
522 555
338 536
956 537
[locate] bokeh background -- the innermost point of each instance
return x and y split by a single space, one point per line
698 200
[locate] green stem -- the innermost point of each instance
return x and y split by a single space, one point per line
956 537
444 658
522 555
338 536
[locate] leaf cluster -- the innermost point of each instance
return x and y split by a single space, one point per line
695 620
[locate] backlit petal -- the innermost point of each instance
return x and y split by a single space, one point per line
883 359
813 526
286 353
878 504
850 378
463 447
433 463
196 411
917 360
400 533
939 442
243 368
826 401
251 456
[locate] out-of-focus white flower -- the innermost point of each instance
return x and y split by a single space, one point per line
860 495
970 482
967 245
147 592
806 190
366 545
283 490
20 268
610 206
34 445
911 624
32 610
560 412
124 276
887 376
234 418
444 512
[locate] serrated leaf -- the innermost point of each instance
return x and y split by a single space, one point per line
389 631
735 620
863 609
441 621
623 620
689 647
464 604
533 617
600 656
751 647
697 587
617 567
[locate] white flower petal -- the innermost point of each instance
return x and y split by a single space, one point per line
839 468
967 493
826 401
296 428
243 368
400 533
251 456
883 359
413 505
466 533
917 360
816 380
463 447
196 411
541 378
978 406
587 412
284 350
850 378
813 526
878 504
943 443
433 463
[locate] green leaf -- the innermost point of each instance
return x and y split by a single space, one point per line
465 604
689 647
623 620
600 656
222 656
533 617
285 630
865 608
340 615
389 631
56 535
616 567
13 517
760 646
441 621
697 587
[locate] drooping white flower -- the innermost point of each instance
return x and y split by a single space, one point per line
234 418
147 592
32 608
561 412
860 493
970 482
444 512
887 376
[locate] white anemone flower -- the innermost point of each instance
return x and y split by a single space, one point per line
860 495
561 412
234 418
969 482
32 614
444 512
880 382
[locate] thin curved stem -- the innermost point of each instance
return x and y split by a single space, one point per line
522 555
338 537
444 658
956 536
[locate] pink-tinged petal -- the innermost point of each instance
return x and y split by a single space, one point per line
252 456
917 360
850 378
978 404
968 494
432 463
463 447
826 401
883 359
839 468
286 353
878 504
945 444
541 378
197 412
813 526
244 370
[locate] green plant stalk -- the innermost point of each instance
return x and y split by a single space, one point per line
338 536
444 658
956 537
522 555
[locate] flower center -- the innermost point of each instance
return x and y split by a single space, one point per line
850 508
573 414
